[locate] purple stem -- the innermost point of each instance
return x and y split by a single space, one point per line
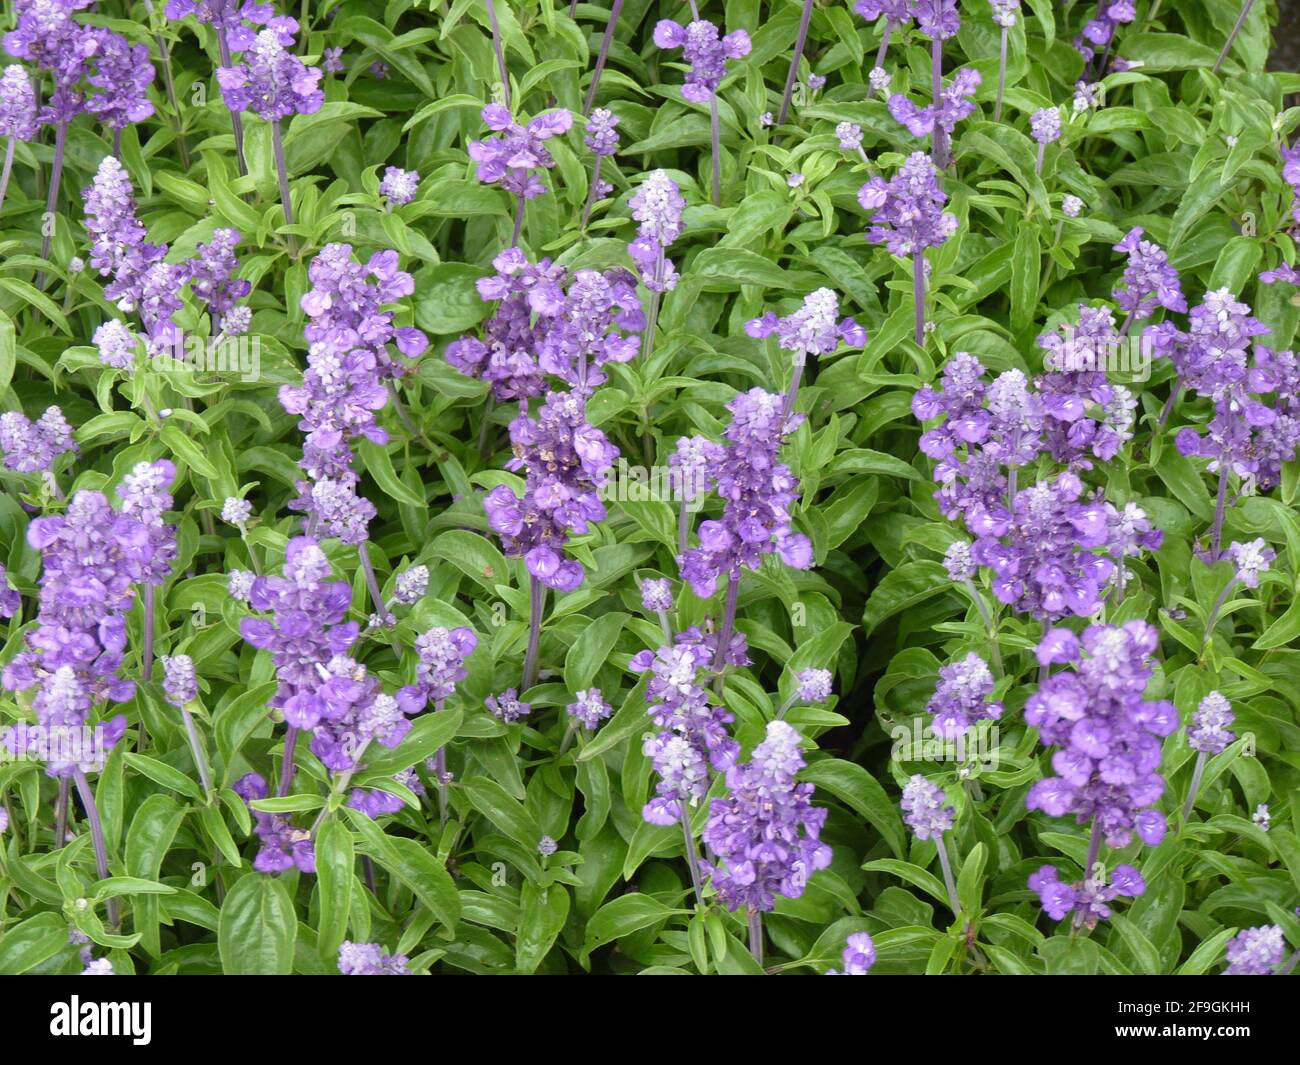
1002 77
692 854
799 43
1174 393
936 80
602 55
918 294
8 169
51 201
146 653
282 173
196 749
61 815
945 864
1232 37
728 627
117 144
1195 786
591 193
884 42
683 527
287 765
536 604
236 119
716 131
519 222
1220 503
1038 160
97 840
372 582
756 934
500 51
787 405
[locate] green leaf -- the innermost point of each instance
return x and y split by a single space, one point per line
379 464
1025 272
506 812
32 942
970 879
162 773
591 650
542 913
414 866
447 301
258 928
335 858
621 917
852 784
911 583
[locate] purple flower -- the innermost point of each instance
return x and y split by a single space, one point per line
1089 899
236 19
512 157
442 654
899 12
601 136
1250 560
332 61
34 447
962 697
47 35
212 275
814 329
706 50
757 492
1045 124
17 104
849 135
1209 731
958 562
814 685
400 186
589 708
1109 735
683 774
1005 12
908 208
369 959
954 105
179 683
658 206
145 497
656 594
271 81
1149 281
507 706
122 73
859 950
926 809
937 18
765 832
411 585
10 601
1255 951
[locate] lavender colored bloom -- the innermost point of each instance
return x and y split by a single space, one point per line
1087 95
765 831
1261 818
859 956
849 135
1291 175
4 820
879 79
601 136
1149 281
236 511
332 61
692 461
1071 206
706 50
899 12
1099 32
237 20
658 206
958 562
1045 125
937 18
656 594
121 73
240 584
961 697
814 329
589 708
683 773
1005 12
34 447
507 706
46 34
908 208
212 275
98 967
1107 768
757 490
400 186
411 585
442 655
954 105
1089 899
1284 273
179 683
10 601
17 104
814 685
374 803
117 345
145 497
1209 731
271 81
926 809
512 157
369 959
1250 560
1256 951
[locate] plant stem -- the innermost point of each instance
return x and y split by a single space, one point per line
52 200
716 132
8 169
1232 37
236 118
372 582
97 839
1002 77
1094 848
884 43
602 55
787 404
728 626
1038 160
946 865
169 82
536 604
683 527
500 51
146 653
756 934
940 137
286 762
519 222
1220 505
196 749
61 815
444 789
282 173
1214 613
799 43
591 194
666 625
918 294
1195 786
692 854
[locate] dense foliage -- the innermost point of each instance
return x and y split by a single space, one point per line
513 486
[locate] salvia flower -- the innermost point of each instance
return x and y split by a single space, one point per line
1045 124
1071 206
1109 735
1209 731
400 186
1005 12
601 135
926 809
879 79
955 103
369 959
589 708
179 683
513 157
271 80
1262 818
765 833
961 697
120 73
116 344
859 956
1250 560
814 685
46 34
908 209
656 594
238 20
658 206
1255 951
1149 281
283 847
1089 900
849 135
17 104
937 18
442 654
212 275
508 706
10 601
145 497
706 50
236 511
411 585
34 447
814 329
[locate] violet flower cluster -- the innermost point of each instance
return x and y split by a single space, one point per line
515 155
271 80
765 832
1106 770
757 491
961 698
1149 280
1256 951
657 205
34 447
1209 731
859 952
17 104
1089 899
908 214
369 959
926 809
706 50
282 846
1099 33
955 103
816 328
